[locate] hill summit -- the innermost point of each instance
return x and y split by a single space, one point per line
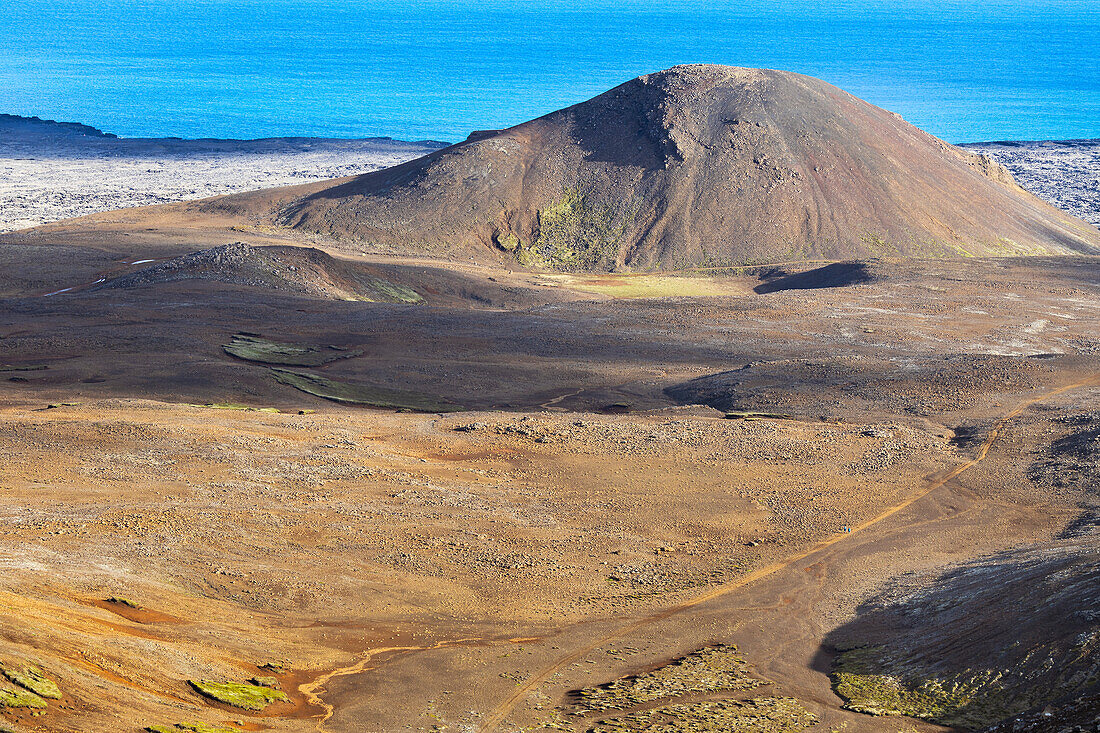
698 165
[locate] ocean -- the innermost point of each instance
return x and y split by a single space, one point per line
438 69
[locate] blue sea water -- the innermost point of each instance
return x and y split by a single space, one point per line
437 69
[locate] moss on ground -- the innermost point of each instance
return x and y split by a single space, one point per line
272 682
386 291
195 727
877 245
21 699
239 694
362 394
575 234
759 715
31 678
868 683
739 415
509 243
713 669
123 601
254 348
236 406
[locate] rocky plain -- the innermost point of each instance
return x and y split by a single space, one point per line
344 457
51 171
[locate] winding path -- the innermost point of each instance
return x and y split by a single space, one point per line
500 712
312 690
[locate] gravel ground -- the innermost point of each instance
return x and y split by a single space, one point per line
50 172
1064 172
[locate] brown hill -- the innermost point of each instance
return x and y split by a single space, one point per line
694 166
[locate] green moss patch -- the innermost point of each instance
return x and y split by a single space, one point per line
272 682
239 694
362 394
713 669
123 601
739 415
254 348
869 683
21 699
509 242
574 234
236 406
377 289
759 715
31 678
196 727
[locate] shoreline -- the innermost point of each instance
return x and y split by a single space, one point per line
15 126
1065 173
51 171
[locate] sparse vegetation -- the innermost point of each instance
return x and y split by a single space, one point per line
242 695
265 351
486 570
509 243
236 406
740 415
758 715
362 394
863 679
713 669
32 679
877 245
195 727
385 291
575 234
21 699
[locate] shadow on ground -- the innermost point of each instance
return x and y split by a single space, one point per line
977 643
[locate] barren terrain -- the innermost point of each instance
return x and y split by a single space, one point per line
574 523
257 477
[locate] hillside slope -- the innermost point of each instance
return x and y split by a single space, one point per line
693 166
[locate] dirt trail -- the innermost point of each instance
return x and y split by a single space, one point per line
312 690
549 404
497 716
